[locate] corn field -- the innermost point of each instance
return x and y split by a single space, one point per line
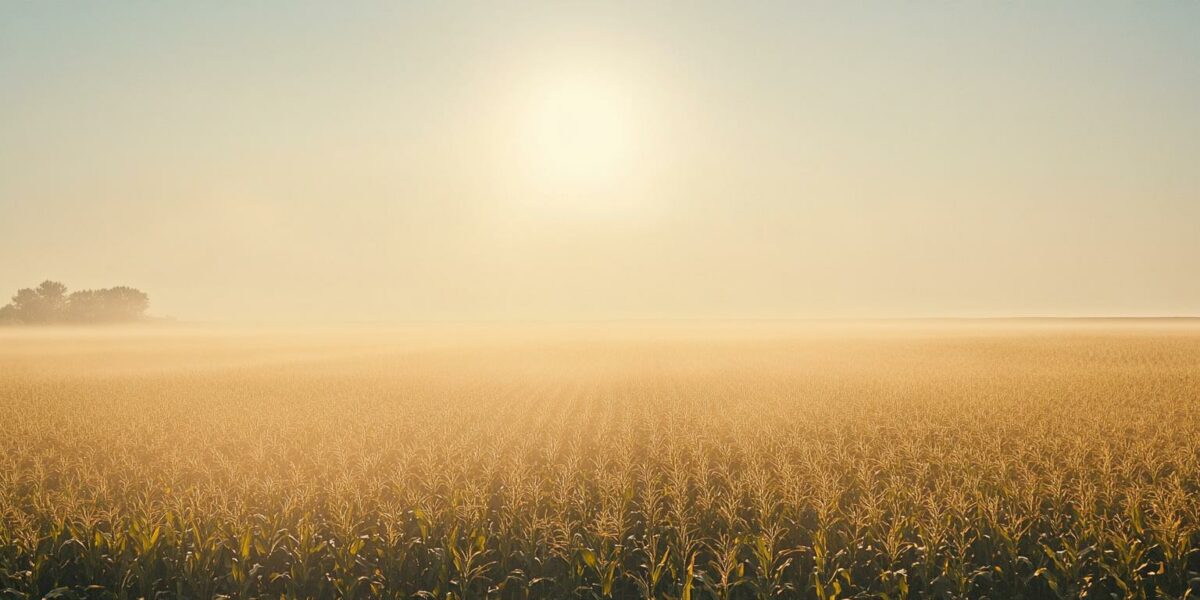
677 462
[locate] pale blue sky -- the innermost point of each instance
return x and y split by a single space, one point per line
280 160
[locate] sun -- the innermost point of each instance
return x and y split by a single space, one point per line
580 135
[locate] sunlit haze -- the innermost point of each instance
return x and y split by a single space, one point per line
599 300
558 161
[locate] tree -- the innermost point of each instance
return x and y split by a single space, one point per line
49 303
112 305
45 304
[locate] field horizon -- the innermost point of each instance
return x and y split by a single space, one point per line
599 300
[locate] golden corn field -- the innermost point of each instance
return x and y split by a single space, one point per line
820 461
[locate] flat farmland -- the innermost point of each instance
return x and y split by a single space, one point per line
955 459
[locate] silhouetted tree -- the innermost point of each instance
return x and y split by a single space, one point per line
49 303
111 305
45 304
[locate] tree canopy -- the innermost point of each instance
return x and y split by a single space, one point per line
50 303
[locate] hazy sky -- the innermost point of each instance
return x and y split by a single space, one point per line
504 160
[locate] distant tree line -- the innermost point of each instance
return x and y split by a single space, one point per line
50 303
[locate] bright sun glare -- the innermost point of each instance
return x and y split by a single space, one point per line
580 136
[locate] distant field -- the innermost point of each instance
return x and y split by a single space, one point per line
1036 459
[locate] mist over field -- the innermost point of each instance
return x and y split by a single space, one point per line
1030 458
614 300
